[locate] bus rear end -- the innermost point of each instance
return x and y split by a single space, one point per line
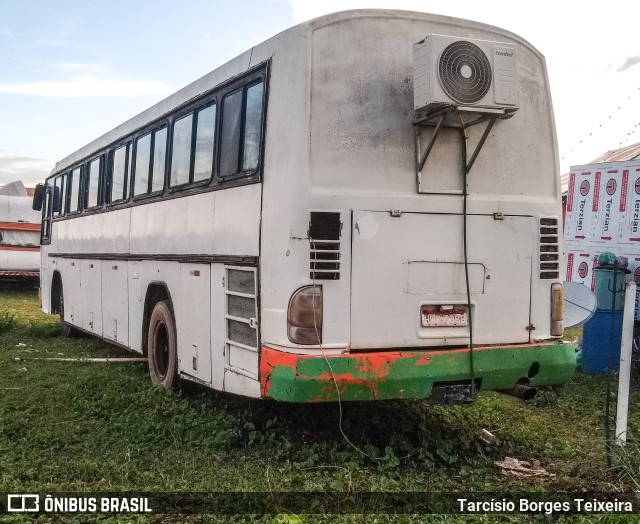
419 257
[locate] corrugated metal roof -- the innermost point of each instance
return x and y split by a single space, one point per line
619 155
623 154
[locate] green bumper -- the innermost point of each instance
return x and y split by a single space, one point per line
292 377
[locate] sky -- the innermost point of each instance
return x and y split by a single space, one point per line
71 70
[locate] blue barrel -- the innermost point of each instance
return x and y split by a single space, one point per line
596 339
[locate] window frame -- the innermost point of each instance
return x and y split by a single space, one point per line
193 111
58 184
70 175
244 87
150 130
47 215
87 185
128 167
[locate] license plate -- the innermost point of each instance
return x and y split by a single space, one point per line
435 317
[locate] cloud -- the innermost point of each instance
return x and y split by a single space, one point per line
75 66
304 10
27 169
630 62
87 86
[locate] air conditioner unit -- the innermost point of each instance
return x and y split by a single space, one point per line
464 72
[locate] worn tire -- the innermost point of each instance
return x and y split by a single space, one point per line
162 347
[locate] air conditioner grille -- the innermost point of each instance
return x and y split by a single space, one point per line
464 72
324 240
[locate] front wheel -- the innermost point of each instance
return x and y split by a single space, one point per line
161 345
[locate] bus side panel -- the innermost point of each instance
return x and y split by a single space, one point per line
71 272
115 307
192 310
91 295
218 326
136 305
45 283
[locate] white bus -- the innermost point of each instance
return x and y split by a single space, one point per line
315 220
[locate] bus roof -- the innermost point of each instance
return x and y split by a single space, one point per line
246 61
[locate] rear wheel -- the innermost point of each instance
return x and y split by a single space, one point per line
161 345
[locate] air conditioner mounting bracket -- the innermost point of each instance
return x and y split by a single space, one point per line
454 116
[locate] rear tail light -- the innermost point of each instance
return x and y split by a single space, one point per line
304 318
557 309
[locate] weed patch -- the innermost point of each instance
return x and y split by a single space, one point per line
79 426
7 321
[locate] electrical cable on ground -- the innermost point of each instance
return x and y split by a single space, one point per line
333 376
465 193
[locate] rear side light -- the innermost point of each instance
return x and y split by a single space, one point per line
304 317
557 309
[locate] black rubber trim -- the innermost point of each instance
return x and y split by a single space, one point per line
196 259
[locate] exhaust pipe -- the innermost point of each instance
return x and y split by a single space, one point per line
520 391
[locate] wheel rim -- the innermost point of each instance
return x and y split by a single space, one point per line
161 353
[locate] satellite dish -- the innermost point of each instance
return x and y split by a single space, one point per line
579 304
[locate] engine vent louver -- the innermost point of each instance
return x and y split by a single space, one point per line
464 72
324 245
549 249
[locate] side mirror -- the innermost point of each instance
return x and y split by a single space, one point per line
38 197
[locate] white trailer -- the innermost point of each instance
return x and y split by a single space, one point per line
291 226
19 234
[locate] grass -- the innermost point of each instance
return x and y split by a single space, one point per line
89 427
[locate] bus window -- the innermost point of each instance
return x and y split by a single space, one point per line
65 196
120 173
46 215
74 192
230 146
252 127
143 157
159 159
58 197
205 137
181 151
93 183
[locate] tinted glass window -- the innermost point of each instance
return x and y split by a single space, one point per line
120 174
93 182
46 217
252 128
205 138
47 206
159 159
63 198
143 157
74 195
58 197
181 151
230 133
